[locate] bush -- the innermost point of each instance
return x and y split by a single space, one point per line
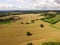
27 23
29 44
37 19
42 18
11 19
1 20
29 34
32 21
51 43
45 43
41 25
22 23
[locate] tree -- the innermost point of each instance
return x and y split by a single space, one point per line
29 44
42 25
32 21
1 20
11 18
22 23
45 43
29 34
27 22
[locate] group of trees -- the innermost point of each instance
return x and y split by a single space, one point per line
2 14
49 15
11 18
7 19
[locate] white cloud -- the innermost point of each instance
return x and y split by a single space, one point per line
57 1
30 5
7 7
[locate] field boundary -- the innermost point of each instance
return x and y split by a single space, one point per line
55 27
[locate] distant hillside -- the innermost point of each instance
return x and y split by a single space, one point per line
18 12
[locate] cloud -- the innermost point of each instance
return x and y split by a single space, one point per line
30 5
48 5
7 7
57 1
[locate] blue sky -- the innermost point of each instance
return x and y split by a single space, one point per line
29 4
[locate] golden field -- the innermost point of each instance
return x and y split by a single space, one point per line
15 32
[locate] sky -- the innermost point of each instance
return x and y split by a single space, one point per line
29 4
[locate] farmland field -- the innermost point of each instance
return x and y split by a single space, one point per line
52 20
57 25
16 32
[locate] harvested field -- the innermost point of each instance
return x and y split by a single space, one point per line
15 32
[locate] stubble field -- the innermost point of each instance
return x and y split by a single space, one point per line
15 33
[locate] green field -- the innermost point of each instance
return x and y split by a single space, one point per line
51 43
5 22
52 20
56 26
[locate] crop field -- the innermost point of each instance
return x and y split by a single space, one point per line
57 25
29 29
52 20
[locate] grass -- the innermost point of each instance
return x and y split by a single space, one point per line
5 22
55 27
52 20
51 43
